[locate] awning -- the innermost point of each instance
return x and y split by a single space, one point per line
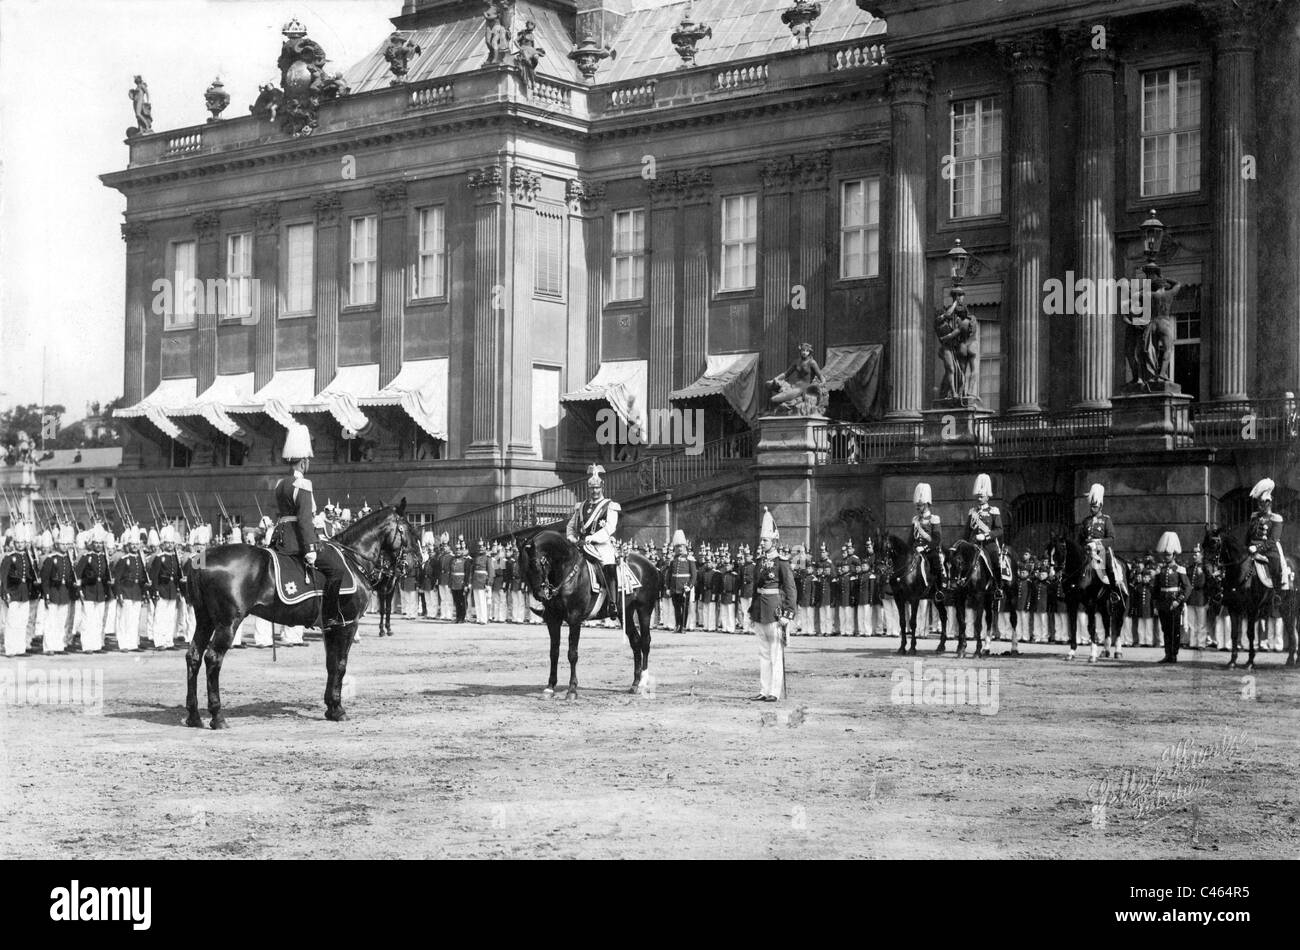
733 376
349 385
420 388
231 390
171 394
290 387
622 385
856 370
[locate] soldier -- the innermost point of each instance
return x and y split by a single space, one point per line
842 585
805 594
680 579
706 597
131 582
479 569
867 592
984 528
1020 600
592 525
94 583
748 570
822 596
927 537
498 584
664 609
19 586
165 578
458 574
1098 537
446 603
295 529
726 587
1195 608
1170 589
772 610
58 588
1144 615
1264 532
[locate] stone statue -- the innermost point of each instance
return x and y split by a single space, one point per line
304 84
497 22
216 99
143 109
799 391
399 52
528 55
958 334
1150 334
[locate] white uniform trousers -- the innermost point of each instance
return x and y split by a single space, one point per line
444 602
146 620
1194 625
692 610
90 623
290 636
128 625
727 617
742 613
825 620
410 604
185 617
862 620
55 626
35 619
20 612
1146 631
1003 620
515 604
1038 626
845 620
481 605
263 631
529 604
165 621
111 611
498 605
771 659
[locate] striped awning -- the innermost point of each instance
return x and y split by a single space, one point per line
733 376
420 388
621 384
230 390
341 397
856 370
287 388
170 395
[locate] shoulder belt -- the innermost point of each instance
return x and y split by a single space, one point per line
975 517
596 515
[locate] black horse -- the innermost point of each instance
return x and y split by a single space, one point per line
555 570
235 580
979 589
1240 590
902 566
1097 595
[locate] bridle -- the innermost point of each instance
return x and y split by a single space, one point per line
387 564
546 591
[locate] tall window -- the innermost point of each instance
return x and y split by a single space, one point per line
239 275
1171 131
548 260
362 259
183 272
990 379
739 242
1187 341
976 184
860 228
546 411
629 254
299 248
431 267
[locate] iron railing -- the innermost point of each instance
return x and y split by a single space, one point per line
1245 423
552 506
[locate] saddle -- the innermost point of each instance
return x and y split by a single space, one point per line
1261 570
294 582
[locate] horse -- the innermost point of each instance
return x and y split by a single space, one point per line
909 587
387 590
1239 589
1071 560
235 580
554 569
979 587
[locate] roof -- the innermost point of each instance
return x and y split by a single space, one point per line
643 46
741 29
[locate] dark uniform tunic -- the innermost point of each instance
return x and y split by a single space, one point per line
1170 591
774 593
165 576
984 527
927 541
20 577
1265 533
130 578
56 579
94 577
295 535
458 574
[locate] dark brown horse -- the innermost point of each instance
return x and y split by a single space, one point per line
555 571
902 566
1094 595
979 589
235 580
1241 591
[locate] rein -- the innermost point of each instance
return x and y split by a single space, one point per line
546 591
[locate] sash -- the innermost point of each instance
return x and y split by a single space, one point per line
597 515
974 513
921 534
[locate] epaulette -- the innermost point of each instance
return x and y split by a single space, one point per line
614 506
1274 516
1181 569
302 484
994 510
934 519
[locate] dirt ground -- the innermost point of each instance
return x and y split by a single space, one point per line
452 751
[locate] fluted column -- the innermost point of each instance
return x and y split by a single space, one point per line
584 313
210 265
695 189
1095 212
909 87
326 294
777 177
1233 288
518 342
266 265
663 312
392 276
1028 60
489 311
136 236
813 174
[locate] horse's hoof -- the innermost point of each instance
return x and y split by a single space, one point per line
194 721
571 695
1250 664
902 651
911 651
336 715
1232 664
218 722
635 689
941 649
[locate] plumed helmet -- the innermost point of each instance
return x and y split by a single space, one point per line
679 537
921 495
46 540
1169 544
768 530
983 485
67 535
154 538
595 471
167 535
1096 494
297 443
1263 489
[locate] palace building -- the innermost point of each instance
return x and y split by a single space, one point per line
516 219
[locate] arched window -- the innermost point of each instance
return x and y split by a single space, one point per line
1034 517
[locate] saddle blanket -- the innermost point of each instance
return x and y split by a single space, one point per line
294 583
626 580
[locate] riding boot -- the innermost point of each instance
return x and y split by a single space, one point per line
609 572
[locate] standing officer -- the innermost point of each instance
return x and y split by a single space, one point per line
480 582
94 582
1170 591
772 610
18 588
165 578
458 576
680 579
131 581
58 588
446 608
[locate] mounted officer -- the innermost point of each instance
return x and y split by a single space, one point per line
984 527
592 526
927 538
1098 537
1264 532
295 530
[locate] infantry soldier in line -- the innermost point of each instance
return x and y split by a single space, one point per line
1170 591
19 585
94 583
680 579
748 570
772 610
446 603
131 583
479 569
498 567
458 574
58 589
1098 537
165 578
